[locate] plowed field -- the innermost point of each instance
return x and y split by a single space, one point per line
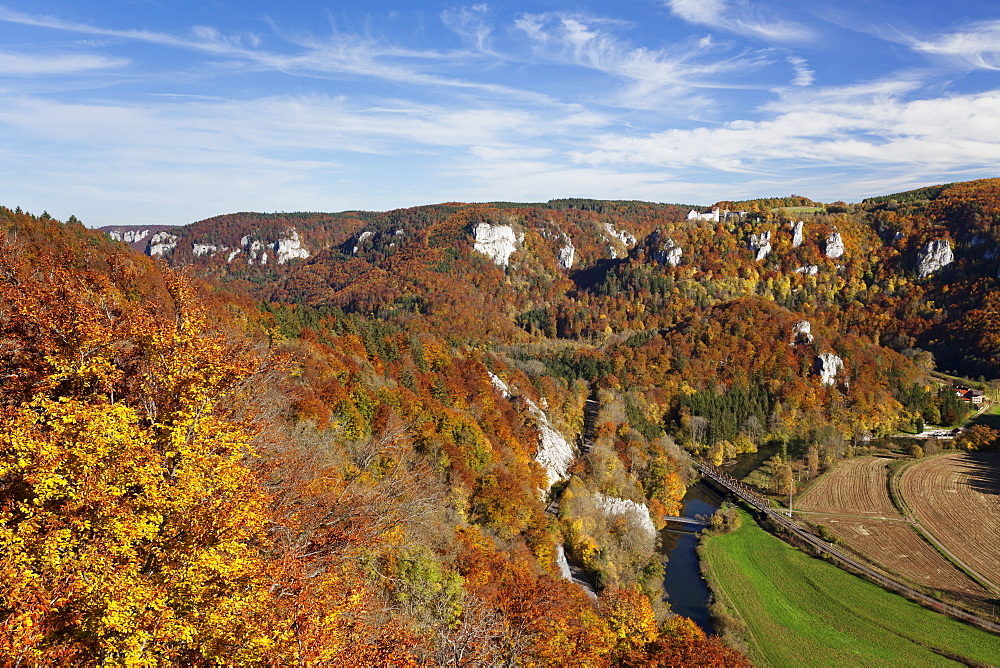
957 498
855 487
862 515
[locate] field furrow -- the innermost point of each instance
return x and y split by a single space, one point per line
856 495
957 498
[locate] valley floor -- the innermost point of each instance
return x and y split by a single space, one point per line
800 610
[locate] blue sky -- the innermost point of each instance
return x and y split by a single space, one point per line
169 111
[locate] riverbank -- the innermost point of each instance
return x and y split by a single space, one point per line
799 610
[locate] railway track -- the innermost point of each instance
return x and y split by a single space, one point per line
754 499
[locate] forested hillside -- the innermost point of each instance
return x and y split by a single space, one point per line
190 476
385 437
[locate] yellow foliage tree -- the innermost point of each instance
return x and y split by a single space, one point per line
130 530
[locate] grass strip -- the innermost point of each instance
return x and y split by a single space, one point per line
802 611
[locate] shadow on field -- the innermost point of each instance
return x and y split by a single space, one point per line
984 471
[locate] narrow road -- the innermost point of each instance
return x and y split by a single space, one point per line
590 409
751 497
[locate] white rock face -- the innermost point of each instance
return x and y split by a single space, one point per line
613 506
802 332
496 242
834 245
203 249
933 257
622 235
809 269
668 253
499 385
128 236
231 256
562 563
555 454
798 233
364 236
160 244
255 249
566 255
828 366
761 244
290 248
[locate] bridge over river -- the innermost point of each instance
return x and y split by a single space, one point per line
756 500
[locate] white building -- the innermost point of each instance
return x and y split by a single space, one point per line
712 216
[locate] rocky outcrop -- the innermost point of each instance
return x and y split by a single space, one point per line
798 233
808 270
760 244
137 236
828 366
834 245
555 453
287 247
198 250
254 248
637 512
290 247
934 256
566 255
497 242
129 236
363 237
499 385
161 243
670 255
802 332
562 563
624 236
667 251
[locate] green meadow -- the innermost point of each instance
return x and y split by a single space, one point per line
802 611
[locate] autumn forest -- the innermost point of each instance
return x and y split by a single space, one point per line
386 438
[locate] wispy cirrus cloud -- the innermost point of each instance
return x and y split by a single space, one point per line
305 55
977 45
273 153
740 18
652 77
804 76
31 65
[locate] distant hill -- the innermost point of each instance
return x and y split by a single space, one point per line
415 420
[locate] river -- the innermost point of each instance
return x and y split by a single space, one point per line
686 590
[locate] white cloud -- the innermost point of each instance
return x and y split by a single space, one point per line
932 135
471 23
804 76
739 18
653 77
336 54
978 45
408 126
27 65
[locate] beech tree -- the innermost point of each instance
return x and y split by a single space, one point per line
129 528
